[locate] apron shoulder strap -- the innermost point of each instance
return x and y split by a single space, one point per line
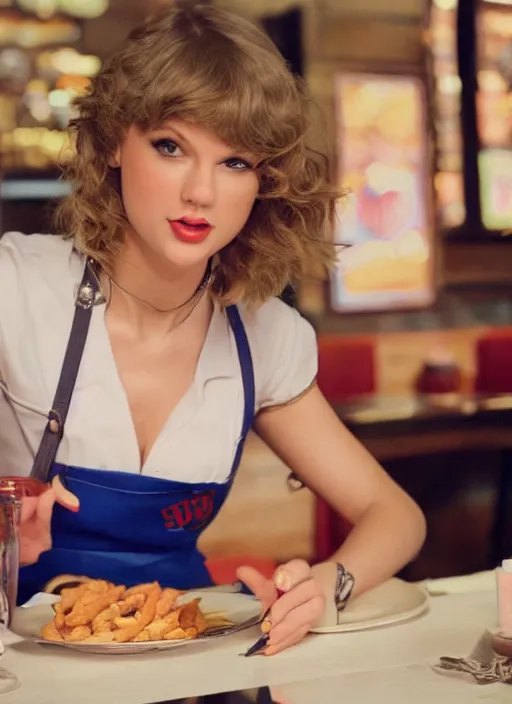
53 432
247 369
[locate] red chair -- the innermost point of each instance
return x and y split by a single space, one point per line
346 367
223 569
494 362
346 371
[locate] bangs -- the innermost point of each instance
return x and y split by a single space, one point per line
249 101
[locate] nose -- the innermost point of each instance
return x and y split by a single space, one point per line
199 185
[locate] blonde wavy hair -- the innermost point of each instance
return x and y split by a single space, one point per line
218 71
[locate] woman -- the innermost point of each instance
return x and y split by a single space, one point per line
195 202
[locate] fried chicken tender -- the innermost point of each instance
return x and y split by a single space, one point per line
125 621
69 597
167 601
59 617
201 624
143 637
148 612
106 619
134 602
140 589
88 606
160 626
77 634
100 638
188 614
181 634
51 632
102 623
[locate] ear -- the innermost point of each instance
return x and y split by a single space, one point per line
114 160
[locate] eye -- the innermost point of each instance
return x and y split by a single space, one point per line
166 147
238 164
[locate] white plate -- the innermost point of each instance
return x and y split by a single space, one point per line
242 610
390 603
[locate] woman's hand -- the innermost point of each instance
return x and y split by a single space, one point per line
295 598
34 532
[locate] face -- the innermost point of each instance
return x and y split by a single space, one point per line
186 193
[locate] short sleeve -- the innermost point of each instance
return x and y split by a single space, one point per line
9 292
284 351
35 273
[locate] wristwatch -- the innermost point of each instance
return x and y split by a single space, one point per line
344 585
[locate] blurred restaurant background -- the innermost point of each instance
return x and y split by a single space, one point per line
414 104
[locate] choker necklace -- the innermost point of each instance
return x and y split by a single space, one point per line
205 282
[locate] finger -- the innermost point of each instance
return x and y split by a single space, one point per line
64 497
300 595
302 617
296 637
45 506
262 588
292 573
28 508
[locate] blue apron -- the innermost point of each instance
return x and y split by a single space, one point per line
130 528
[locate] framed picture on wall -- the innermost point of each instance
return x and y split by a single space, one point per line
386 216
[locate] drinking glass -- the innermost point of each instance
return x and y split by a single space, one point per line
12 491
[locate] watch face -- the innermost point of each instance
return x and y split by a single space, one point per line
344 586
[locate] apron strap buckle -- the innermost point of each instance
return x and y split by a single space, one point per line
55 422
85 296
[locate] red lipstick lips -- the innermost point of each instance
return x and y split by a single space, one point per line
190 230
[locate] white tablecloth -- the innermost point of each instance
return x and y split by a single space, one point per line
395 657
414 684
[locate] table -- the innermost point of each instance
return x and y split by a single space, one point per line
426 426
393 428
415 683
398 655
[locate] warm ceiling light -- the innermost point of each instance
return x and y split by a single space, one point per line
86 9
44 9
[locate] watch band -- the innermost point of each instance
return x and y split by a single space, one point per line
344 585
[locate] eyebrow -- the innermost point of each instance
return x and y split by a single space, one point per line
168 128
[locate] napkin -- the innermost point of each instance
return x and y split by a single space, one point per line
41 598
482 666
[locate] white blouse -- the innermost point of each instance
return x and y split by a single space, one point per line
39 279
